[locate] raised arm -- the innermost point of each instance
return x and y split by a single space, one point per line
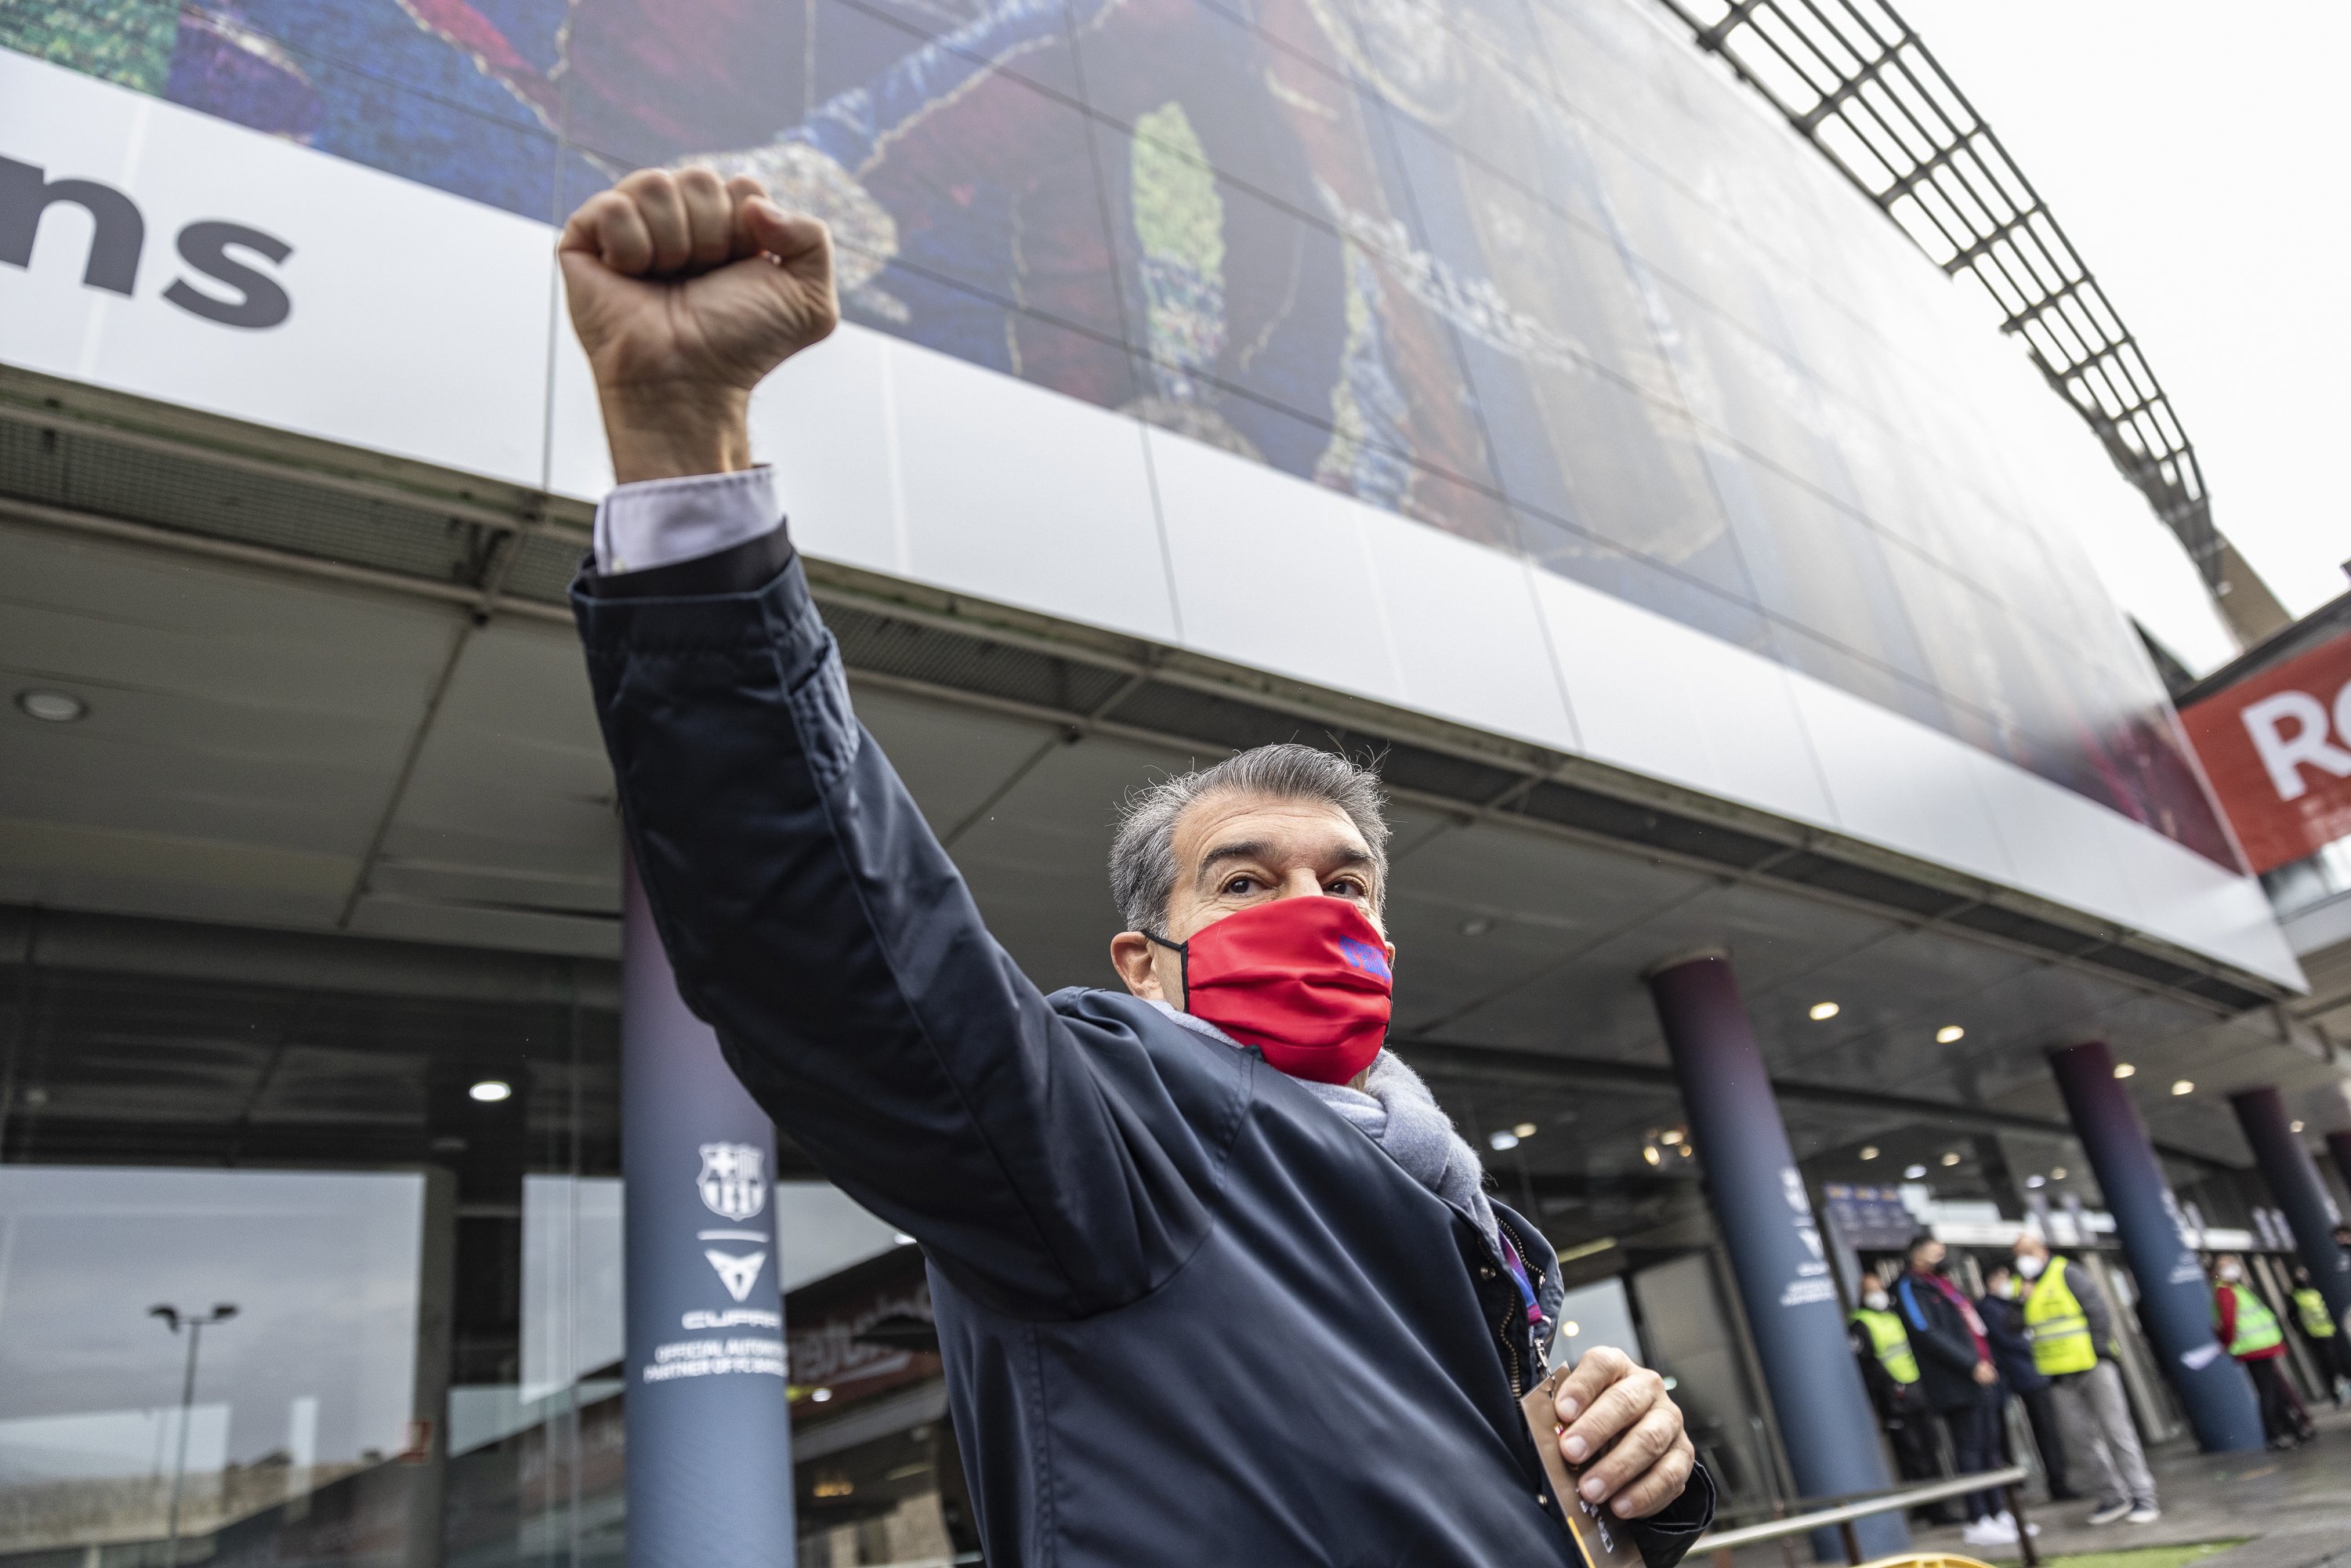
811 917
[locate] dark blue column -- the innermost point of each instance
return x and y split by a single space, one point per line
2175 1300
2294 1182
1782 1270
710 1432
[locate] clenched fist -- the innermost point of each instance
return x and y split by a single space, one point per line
685 291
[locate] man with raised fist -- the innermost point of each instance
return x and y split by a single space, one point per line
1216 1281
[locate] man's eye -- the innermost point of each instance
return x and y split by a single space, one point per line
1346 887
1241 884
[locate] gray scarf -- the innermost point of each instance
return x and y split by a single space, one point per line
1395 1110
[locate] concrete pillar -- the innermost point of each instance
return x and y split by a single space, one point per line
1825 1423
2175 1300
709 1428
2339 1146
2299 1190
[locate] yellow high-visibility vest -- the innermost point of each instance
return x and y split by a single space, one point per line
2257 1326
2058 1328
2315 1322
1891 1341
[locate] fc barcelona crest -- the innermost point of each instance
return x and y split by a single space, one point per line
734 1180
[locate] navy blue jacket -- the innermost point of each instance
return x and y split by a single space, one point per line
2011 1347
1191 1317
1940 1338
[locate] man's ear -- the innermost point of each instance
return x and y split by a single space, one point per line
1131 955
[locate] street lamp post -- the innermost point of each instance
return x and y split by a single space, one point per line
175 1320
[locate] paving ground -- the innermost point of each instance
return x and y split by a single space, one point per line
2291 1509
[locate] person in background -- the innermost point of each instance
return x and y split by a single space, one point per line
2243 1321
1960 1381
2328 1345
2001 1307
2073 1332
1889 1370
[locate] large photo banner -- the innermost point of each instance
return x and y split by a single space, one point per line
1531 275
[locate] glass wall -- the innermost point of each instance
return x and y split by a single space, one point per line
1527 270
292 1275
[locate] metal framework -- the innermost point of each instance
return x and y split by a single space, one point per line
1852 77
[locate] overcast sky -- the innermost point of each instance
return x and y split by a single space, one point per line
2193 151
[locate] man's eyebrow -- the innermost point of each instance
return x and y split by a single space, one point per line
1255 849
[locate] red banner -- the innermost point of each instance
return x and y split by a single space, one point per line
2278 749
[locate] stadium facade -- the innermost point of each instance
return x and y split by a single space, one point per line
1706 570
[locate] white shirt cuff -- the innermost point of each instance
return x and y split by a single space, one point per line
660 522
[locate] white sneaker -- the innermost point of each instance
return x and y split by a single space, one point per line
2144 1513
2008 1519
2108 1513
1992 1531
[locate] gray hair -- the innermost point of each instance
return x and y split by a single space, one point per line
1143 867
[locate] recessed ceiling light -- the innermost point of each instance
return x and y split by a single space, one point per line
1824 1011
1686 1151
490 1091
1649 1153
1912 1173
1951 1157
2183 1086
2124 1070
1524 1130
1670 1137
2036 1181
1502 1138
1570 1328
2293 1126
1869 1151
2056 1173
1477 925
820 1395
52 708
1949 1033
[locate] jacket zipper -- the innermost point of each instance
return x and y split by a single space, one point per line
1502 1329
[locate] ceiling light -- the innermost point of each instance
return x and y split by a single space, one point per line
2036 1181
1524 1129
2183 1086
2124 1070
1869 1151
1824 1011
52 708
1670 1137
820 1395
1477 925
1501 1139
1570 1328
1686 1151
2293 1126
1949 1033
1649 1153
490 1091
1912 1173
1951 1157
2056 1173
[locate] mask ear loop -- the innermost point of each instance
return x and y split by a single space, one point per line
1183 951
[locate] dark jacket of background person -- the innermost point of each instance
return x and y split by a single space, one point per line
2003 1322
1190 1315
1940 1338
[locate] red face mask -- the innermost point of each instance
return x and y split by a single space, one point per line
1305 980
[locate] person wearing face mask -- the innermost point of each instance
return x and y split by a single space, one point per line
1889 1371
1216 1279
1960 1381
2001 1307
2329 1347
2243 1321
2073 1332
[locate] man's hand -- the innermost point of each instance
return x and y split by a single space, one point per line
1986 1374
685 291
1607 1399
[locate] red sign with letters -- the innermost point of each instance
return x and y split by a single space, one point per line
2278 750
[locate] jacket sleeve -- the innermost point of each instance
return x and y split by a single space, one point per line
1664 1537
1936 1333
2096 1311
814 921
